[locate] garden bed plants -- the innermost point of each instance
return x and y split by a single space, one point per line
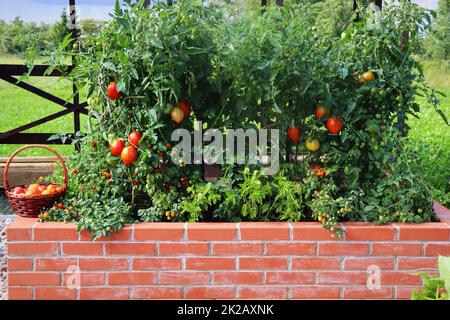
340 107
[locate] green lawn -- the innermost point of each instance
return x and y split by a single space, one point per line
432 136
19 107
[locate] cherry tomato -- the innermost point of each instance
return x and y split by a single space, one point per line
177 115
334 125
60 205
128 155
294 134
321 112
117 146
113 94
184 105
135 137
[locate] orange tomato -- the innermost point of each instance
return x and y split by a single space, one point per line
46 192
33 189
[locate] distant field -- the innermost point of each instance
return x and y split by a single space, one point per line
19 107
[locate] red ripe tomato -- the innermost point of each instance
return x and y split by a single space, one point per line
74 171
128 155
185 106
135 137
294 134
60 205
334 125
136 183
321 112
42 188
116 147
113 94
19 190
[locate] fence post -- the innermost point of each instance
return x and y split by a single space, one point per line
76 95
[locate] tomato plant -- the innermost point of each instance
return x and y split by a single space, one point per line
167 66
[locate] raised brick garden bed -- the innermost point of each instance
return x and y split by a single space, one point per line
222 260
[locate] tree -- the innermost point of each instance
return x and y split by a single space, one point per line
60 29
437 42
90 26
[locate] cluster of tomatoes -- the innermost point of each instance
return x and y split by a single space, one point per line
318 171
334 124
128 154
36 189
59 207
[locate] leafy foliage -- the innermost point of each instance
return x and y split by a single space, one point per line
435 287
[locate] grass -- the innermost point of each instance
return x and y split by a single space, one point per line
430 136
19 107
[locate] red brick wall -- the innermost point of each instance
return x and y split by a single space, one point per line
222 261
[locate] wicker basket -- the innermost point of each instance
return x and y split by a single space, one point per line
31 206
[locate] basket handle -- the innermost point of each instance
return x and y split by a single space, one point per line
8 162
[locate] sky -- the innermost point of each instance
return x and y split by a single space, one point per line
48 11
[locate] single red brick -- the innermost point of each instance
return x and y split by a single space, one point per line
416 263
316 263
129 249
315 292
55 231
211 231
155 263
396 249
362 292
436 249
20 264
159 231
364 263
346 248
262 292
264 231
84 278
237 277
210 263
20 229
32 248
190 248
58 293
20 293
263 263
237 248
181 277
82 248
424 231
405 292
368 231
209 293
290 248
104 293
131 278
157 292
311 231
290 277
398 277
54 264
102 264
123 235
336 277
33 278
